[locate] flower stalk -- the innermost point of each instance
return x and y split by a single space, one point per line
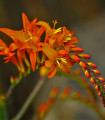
30 98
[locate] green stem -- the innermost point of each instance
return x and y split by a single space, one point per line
30 99
9 91
12 86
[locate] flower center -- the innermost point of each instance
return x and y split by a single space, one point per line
30 36
67 38
59 60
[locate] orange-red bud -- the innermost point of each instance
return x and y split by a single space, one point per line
82 64
66 90
85 56
101 98
99 93
101 79
96 87
54 92
92 80
77 94
76 49
63 52
65 93
43 71
42 108
96 71
91 64
75 58
87 73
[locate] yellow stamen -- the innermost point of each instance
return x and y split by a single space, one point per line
62 60
66 39
58 30
55 22
58 63
30 36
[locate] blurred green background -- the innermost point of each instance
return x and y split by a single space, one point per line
86 18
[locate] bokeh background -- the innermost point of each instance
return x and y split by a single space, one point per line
86 18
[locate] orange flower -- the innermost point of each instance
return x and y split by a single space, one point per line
28 39
67 39
56 47
59 38
3 48
56 58
10 56
30 31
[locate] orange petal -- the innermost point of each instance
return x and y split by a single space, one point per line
33 60
19 55
67 48
49 52
16 35
69 63
51 42
33 22
72 33
20 59
13 46
26 46
40 31
74 40
26 22
13 60
8 32
62 52
52 71
64 68
45 25
48 63
2 45
21 36
64 29
33 25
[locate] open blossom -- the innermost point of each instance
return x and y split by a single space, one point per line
56 59
26 39
60 38
56 50
7 51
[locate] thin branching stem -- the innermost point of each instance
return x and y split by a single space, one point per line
12 86
9 91
30 99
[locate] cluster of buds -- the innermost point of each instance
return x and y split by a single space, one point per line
56 97
44 108
56 50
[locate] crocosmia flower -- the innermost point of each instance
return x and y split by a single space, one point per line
56 51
